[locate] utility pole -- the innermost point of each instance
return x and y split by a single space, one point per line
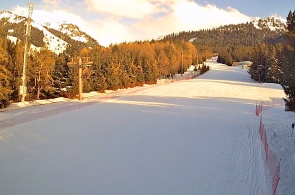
23 87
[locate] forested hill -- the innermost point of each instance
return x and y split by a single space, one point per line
258 41
267 30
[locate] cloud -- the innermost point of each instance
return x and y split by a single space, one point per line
191 15
184 16
57 17
109 31
129 20
154 18
122 8
21 11
51 2
105 31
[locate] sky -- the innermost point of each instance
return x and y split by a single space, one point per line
115 21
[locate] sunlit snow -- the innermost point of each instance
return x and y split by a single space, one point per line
197 136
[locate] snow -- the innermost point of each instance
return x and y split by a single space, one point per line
53 43
255 23
282 142
12 17
197 136
50 19
5 14
12 39
247 63
80 38
192 39
273 23
55 19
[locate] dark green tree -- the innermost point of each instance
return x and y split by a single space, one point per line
288 66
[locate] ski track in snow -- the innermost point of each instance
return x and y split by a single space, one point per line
196 136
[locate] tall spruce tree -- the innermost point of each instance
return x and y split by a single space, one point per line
288 65
5 75
5 90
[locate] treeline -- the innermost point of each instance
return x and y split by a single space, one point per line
264 55
118 66
245 35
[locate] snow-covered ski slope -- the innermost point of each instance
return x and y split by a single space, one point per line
196 136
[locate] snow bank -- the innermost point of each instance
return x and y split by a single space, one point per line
278 124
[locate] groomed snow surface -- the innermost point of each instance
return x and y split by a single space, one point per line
196 136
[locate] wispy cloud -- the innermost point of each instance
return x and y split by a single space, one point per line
128 20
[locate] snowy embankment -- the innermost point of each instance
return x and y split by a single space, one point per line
278 124
196 136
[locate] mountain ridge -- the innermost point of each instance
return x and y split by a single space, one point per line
269 24
43 35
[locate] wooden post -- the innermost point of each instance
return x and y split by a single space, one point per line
80 79
78 61
182 71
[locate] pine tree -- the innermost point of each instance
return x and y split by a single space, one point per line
97 77
73 80
5 90
5 75
288 66
16 53
40 73
291 23
60 73
274 60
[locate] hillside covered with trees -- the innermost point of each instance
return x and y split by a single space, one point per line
233 43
